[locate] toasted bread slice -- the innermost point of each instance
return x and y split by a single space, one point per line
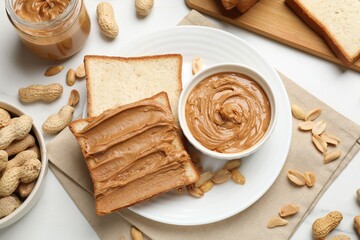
115 81
337 22
132 158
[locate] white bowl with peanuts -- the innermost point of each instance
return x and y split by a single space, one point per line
23 164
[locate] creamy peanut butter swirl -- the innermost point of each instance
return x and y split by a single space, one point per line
228 112
40 10
135 142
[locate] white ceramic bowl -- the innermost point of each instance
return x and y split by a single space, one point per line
34 196
226 67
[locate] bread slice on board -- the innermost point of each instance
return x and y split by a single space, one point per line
133 153
337 22
115 81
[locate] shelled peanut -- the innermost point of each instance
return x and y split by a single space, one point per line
300 179
208 179
80 71
276 221
53 70
196 65
18 164
136 234
284 212
70 77
74 98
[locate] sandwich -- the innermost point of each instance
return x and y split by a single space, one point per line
133 153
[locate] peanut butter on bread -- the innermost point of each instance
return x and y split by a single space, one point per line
133 152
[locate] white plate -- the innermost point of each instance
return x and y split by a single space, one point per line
261 169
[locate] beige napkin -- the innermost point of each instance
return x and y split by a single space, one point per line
69 167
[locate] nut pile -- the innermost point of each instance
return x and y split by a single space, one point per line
19 161
320 138
208 179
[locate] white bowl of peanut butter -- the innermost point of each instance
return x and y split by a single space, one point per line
227 111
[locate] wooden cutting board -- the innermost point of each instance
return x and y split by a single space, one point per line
272 19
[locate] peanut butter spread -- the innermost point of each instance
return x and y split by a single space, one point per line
228 112
131 154
40 10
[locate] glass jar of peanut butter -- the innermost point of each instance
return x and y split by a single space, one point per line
52 29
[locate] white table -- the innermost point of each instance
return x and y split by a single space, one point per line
56 217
